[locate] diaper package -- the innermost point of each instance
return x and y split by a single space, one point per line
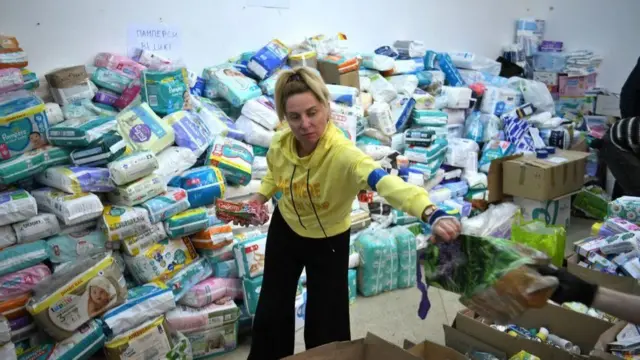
165 205
70 209
343 94
346 118
223 254
147 341
143 130
401 109
426 155
214 237
190 131
102 151
226 269
166 91
462 153
213 118
23 123
173 161
22 281
161 261
404 84
144 303
380 117
378 62
451 73
251 293
84 342
10 80
15 308
268 59
187 222
110 80
120 64
262 111
430 118
210 290
22 256
259 167
77 179
132 167
7 236
233 158
133 245
138 191
492 150
203 185
84 110
233 86
185 279
120 222
106 97
254 133
16 205
249 256
378 271
64 248
87 290
38 227
31 163
498 101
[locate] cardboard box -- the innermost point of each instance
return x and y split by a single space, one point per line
623 284
609 336
431 351
464 343
495 177
576 86
580 329
369 348
553 212
331 74
608 105
544 179
67 77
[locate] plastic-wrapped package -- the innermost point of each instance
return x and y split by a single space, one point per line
254 133
233 86
626 208
209 290
426 155
104 150
24 123
70 209
250 257
54 113
163 206
214 237
120 222
493 275
16 205
132 167
190 131
138 191
77 179
266 61
184 280
233 158
130 96
474 126
119 63
133 245
71 246
187 222
378 271
80 132
404 84
534 92
378 62
173 161
110 80
203 185
22 256
22 281
495 221
7 236
166 91
227 270
259 167
401 109
450 71
494 149
38 227
430 118
151 337
143 130
86 341
106 97
380 117
343 94
161 261
85 109
381 89
262 111
10 80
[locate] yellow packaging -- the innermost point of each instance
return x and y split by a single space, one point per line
523 355
595 228
147 341
162 260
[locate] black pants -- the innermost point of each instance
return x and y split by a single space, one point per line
625 167
327 313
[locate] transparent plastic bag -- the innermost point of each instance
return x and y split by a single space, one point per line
474 126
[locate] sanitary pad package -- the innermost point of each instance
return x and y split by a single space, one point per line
16 205
161 261
77 179
23 123
70 209
143 130
31 163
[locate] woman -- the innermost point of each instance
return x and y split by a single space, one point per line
319 173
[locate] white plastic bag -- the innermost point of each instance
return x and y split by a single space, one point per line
534 92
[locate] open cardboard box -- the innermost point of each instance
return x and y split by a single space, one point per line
464 343
428 350
609 336
623 284
582 330
494 179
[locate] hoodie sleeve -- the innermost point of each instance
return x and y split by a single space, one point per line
401 195
268 185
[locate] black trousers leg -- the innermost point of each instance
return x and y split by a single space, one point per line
624 165
327 312
274 323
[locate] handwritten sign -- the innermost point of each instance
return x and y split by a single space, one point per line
160 38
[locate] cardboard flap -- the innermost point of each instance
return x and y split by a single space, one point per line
623 284
607 337
338 350
494 178
464 343
377 348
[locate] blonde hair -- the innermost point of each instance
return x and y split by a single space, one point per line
298 81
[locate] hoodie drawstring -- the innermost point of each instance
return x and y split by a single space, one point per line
291 193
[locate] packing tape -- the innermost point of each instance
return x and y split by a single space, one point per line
565 173
523 170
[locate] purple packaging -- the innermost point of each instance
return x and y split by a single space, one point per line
551 46
107 97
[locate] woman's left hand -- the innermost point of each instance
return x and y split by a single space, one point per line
446 228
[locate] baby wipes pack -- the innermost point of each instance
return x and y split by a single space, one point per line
16 205
132 167
161 261
138 191
249 256
166 91
266 61
69 247
38 227
23 123
22 256
203 184
77 179
187 222
173 161
143 130
111 80
31 163
144 303
22 281
185 279
190 131
81 132
86 290
165 205
233 86
132 245
147 341
120 222
100 152
254 133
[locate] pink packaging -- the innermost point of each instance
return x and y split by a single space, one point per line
119 63
209 290
23 281
576 86
10 80
128 95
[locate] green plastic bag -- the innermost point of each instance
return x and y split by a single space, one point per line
550 239
592 201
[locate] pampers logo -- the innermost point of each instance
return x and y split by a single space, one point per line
16 135
237 151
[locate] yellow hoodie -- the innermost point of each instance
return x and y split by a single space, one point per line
325 183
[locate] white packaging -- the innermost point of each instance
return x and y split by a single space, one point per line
377 152
254 133
365 83
462 153
346 118
70 209
457 97
455 116
86 90
259 167
132 167
534 92
236 193
140 241
54 113
378 62
121 222
38 227
173 161
262 112
381 89
7 236
552 212
498 101
138 191
406 84
380 118
16 205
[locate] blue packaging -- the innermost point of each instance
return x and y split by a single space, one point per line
549 61
401 110
226 269
198 88
269 59
451 73
23 123
387 51
431 60
166 91
188 277
203 185
187 222
166 205
82 345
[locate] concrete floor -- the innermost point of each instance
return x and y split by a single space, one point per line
393 316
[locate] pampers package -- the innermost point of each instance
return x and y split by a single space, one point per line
147 341
187 222
165 205
269 59
166 91
143 130
22 256
190 131
76 295
233 158
138 191
77 179
31 163
23 123
203 184
233 86
110 80
16 205
70 209
161 261
132 167
81 132
100 152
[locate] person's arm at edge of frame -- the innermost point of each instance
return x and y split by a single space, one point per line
621 305
401 195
